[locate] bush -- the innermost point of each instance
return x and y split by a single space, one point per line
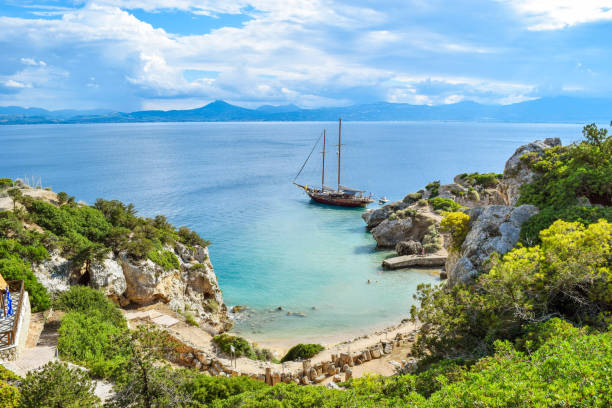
10 396
241 346
302 352
57 385
567 173
457 224
433 188
206 390
485 180
413 197
567 275
86 300
444 204
14 268
86 339
191 238
165 259
432 241
5 183
530 230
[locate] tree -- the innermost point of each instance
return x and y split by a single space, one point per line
62 197
16 195
146 381
57 385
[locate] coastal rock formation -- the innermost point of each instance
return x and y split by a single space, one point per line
411 247
392 231
193 286
373 218
108 277
517 172
54 273
494 228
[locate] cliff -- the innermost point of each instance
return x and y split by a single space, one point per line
135 261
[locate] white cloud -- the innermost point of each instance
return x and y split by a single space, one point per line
33 62
558 14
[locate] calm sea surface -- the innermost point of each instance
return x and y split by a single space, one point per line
271 246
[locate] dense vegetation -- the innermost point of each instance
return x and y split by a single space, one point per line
88 330
484 180
443 204
302 352
242 348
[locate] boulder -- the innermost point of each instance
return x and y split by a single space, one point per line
108 277
54 273
409 248
494 228
518 173
390 232
374 217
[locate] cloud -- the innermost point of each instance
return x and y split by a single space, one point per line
307 52
558 14
33 62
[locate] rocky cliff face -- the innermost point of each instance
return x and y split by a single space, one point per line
493 228
193 286
517 173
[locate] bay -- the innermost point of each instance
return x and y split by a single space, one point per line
231 182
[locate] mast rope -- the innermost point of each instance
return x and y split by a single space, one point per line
304 165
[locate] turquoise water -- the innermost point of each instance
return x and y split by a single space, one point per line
271 246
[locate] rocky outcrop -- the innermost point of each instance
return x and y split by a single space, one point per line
392 231
492 229
108 277
517 172
54 273
373 218
409 248
193 286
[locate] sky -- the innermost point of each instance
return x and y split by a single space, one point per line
175 54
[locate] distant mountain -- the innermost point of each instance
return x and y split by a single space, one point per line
555 110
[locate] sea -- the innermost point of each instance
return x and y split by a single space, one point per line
271 247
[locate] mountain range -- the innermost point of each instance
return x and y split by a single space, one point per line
544 110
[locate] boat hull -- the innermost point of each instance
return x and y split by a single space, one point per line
339 201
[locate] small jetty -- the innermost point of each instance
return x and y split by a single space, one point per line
406 261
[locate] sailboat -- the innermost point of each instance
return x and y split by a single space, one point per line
341 196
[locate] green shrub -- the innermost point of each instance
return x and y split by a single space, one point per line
413 197
302 352
14 268
567 275
5 183
190 319
432 241
165 259
10 396
530 230
433 188
191 238
444 204
241 346
86 300
57 385
422 202
206 390
567 173
485 180
86 339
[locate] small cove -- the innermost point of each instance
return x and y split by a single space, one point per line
271 246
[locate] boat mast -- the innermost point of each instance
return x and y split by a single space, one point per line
323 172
339 148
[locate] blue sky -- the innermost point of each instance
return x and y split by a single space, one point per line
165 54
